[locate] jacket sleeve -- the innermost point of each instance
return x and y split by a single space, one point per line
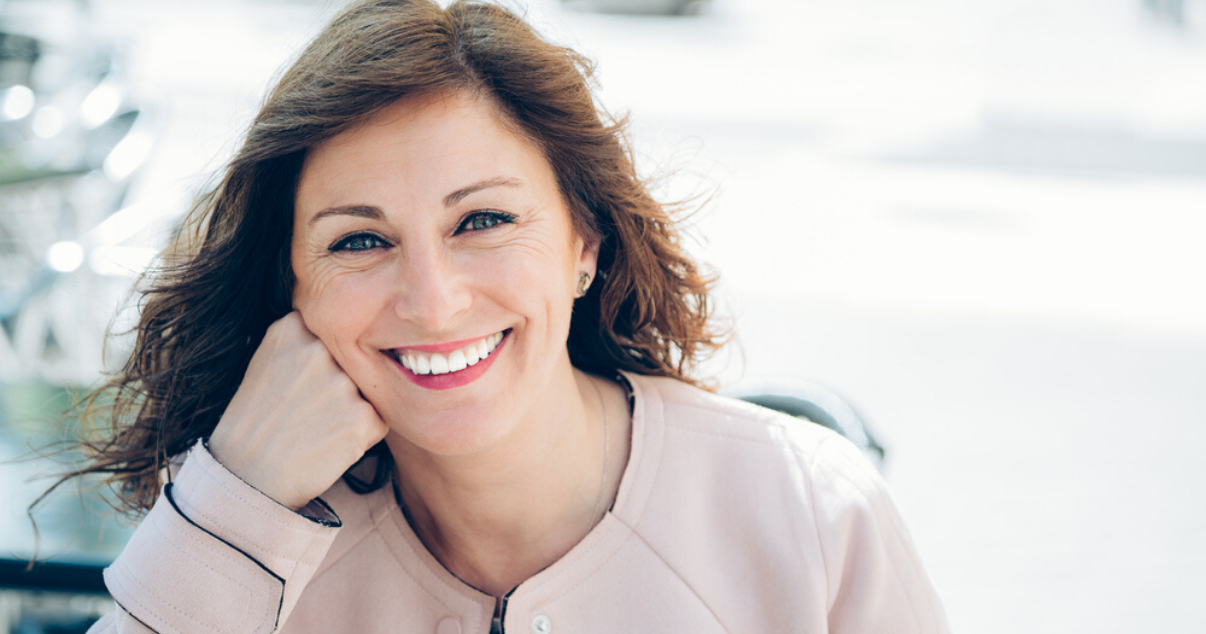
876 583
214 555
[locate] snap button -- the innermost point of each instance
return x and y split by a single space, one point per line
542 625
448 625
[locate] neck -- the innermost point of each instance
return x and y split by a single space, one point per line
496 518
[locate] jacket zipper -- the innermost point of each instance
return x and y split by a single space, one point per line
500 613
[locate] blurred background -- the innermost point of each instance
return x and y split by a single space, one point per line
978 221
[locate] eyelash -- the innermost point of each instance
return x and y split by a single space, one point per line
356 241
495 218
346 243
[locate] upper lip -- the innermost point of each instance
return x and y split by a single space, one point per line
443 348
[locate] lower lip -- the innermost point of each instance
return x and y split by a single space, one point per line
452 379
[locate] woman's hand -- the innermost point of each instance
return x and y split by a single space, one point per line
297 422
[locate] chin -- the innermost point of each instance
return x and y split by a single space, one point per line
449 432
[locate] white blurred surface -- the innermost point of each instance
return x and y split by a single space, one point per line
980 221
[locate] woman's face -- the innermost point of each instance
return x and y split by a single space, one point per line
435 258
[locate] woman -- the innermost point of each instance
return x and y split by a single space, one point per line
426 367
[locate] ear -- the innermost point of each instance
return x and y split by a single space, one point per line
588 255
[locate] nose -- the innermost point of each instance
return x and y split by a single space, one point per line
432 292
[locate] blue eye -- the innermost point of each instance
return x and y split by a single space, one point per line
359 242
485 220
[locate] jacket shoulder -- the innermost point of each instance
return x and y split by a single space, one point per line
749 497
686 408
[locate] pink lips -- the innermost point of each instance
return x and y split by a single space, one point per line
443 347
451 379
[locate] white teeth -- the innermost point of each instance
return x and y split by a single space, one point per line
439 363
455 361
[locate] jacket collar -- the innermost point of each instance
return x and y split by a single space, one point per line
377 512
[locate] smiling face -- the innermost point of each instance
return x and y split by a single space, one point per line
435 258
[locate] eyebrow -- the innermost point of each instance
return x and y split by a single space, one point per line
375 213
359 211
498 181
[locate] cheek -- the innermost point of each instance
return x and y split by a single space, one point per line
536 286
336 305
316 287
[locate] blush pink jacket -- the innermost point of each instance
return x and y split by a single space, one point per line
729 518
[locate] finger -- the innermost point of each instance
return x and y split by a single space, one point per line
296 316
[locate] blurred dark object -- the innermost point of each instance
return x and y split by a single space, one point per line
639 7
79 578
78 531
53 624
813 402
68 605
18 54
50 597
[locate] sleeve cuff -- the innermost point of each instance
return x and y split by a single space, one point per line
174 576
219 502
214 555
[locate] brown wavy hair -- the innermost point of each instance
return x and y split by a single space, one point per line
228 277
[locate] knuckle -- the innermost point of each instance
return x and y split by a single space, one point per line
291 326
284 324
364 411
370 424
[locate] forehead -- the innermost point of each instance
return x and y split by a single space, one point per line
426 145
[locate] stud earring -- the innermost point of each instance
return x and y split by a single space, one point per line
583 284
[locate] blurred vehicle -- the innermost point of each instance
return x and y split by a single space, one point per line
814 403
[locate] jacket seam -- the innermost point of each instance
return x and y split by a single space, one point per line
144 608
806 470
327 565
392 545
167 491
682 580
879 525
581 577
131 615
